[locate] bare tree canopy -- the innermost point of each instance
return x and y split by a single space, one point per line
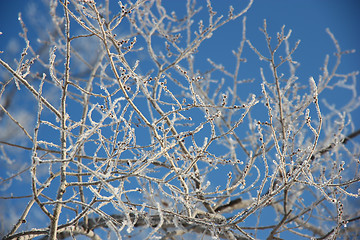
114 131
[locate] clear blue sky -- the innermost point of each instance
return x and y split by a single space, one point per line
308 20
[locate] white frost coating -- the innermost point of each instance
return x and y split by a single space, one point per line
313 86
205 142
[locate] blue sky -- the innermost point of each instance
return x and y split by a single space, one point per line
308 20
